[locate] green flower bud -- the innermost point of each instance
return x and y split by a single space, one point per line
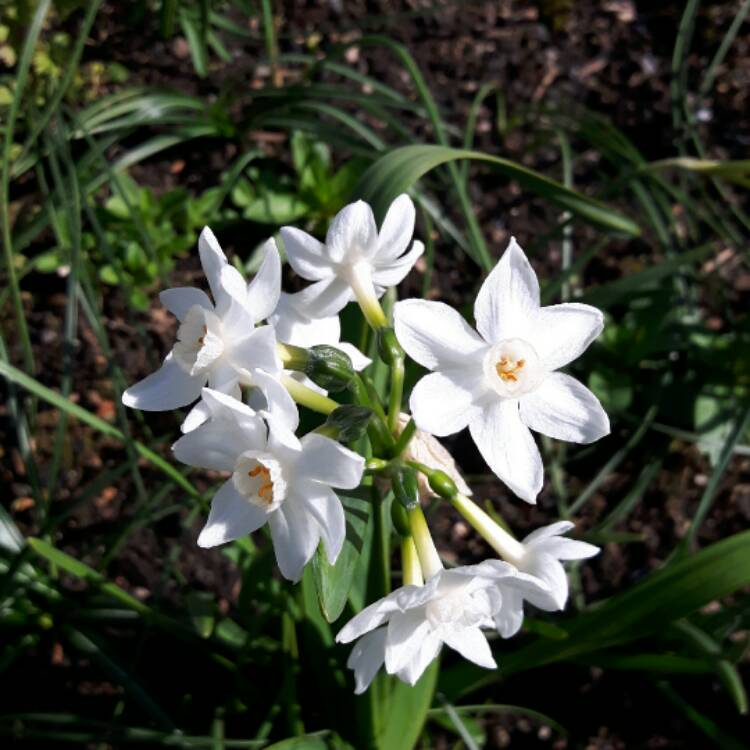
388 347
348 422
400 520
441 484
406 487
328 367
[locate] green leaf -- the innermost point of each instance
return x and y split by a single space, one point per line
400 169
333 582
613 388
407 711
309 742
663 597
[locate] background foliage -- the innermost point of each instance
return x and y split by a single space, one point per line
127 127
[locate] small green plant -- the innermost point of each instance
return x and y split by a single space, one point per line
313 190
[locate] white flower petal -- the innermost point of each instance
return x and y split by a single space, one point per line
406 630
509 619
393 272
180 299
324 505
562 333
277 400
442 404
397 229
214 445
234 287
231 517
508 300
435 335
427 652
553 529
472 644
224 406
223 376
295 536
264 290
326 461
170 387
564 409
376 613
294 327
551 572
366 658
212 261
352 232
324 298
308 257
508 447
568 549
195 417
256 350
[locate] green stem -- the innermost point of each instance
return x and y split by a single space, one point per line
381 570
397 391
366 395
405 438
305 396
292 357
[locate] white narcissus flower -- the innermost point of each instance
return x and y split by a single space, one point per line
407 629
356 260
538 555
217 343
425 449
502 380
275 479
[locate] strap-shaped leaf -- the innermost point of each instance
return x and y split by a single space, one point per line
400 169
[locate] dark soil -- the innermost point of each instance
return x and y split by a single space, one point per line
613 57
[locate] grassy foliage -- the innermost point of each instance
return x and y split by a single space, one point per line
188 672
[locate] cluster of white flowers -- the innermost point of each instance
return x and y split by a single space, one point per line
500 381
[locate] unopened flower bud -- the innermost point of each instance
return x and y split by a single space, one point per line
348 422
400 519
406 487
441 484
329 367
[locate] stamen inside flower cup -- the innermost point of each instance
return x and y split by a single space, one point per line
199 343
257 477
512 368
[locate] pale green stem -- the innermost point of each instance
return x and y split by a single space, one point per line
410 563
305 396
429 559
509 548
397 390
364 291
292 357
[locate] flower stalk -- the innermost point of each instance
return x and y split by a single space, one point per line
360 280
509 548
412 570
305 396
429 559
